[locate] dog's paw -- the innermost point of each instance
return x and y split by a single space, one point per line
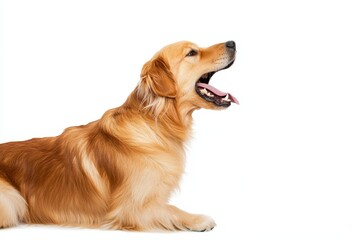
200 223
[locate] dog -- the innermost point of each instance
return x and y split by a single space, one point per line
118 172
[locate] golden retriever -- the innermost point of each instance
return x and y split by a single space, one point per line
118 172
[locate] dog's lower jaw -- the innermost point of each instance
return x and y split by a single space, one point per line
161 218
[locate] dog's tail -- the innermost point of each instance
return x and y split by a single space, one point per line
13 207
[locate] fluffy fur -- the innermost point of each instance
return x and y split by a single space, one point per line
117 172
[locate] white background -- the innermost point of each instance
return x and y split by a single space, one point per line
285 164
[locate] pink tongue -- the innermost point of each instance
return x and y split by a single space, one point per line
217 92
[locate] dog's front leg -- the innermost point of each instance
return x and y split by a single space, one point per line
158 217
187 221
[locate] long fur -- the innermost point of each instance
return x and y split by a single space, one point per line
117 172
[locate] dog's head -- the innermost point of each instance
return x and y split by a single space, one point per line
181 72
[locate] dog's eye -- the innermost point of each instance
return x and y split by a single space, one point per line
192 53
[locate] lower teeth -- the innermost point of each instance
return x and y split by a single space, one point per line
204 91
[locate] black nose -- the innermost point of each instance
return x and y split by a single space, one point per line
231 45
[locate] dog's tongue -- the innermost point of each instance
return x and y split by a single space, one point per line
217 92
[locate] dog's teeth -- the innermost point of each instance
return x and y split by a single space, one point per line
226 98
204 91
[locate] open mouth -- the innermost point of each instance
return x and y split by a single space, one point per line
212 94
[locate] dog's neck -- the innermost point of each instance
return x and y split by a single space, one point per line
162 112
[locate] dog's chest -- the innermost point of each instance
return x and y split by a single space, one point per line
157 175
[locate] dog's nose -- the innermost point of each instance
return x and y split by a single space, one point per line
230 45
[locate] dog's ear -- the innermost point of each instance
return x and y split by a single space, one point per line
159 78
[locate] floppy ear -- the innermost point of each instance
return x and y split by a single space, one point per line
160 79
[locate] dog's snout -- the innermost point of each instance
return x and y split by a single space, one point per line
230 45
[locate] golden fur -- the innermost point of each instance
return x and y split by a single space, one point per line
117 172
